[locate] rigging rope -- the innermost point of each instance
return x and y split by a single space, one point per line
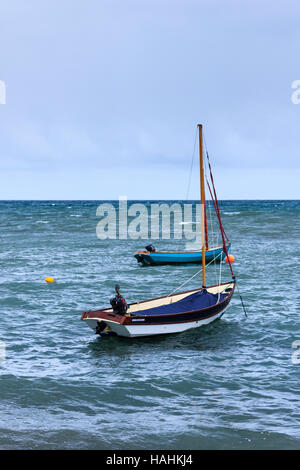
220 275
221 226
220 220
194 275
215 206
214 236
214 239
191 168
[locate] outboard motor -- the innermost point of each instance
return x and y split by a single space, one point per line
150 248
118 303
100 327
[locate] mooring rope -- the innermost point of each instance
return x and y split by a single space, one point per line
244 308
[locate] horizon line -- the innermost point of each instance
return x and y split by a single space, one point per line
147 199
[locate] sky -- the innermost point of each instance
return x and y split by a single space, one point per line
103 98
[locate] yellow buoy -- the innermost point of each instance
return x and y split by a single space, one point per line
229 258
49 279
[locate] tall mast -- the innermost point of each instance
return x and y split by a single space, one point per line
202 205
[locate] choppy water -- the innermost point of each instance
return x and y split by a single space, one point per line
231 384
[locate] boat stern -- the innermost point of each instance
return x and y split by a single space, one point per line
104 322
143 257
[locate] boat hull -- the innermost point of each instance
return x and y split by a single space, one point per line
147 258
151 325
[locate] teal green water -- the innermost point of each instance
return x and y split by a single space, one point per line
231 384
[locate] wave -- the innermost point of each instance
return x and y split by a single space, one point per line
231 213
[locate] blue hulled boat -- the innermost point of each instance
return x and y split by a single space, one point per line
150 258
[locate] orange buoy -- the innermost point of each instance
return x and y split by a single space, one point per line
49 279
229 258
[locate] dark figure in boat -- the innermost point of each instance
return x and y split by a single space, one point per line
150 248
118 303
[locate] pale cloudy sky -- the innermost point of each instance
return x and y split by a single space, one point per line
103 98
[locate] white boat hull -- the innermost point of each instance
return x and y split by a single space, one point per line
135 331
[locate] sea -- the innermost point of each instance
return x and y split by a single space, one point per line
232 384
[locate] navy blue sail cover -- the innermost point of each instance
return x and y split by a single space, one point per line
196 301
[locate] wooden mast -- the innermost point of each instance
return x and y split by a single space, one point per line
202 205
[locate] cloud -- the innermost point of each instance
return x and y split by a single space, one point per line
119 87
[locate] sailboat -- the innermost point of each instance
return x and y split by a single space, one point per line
150 256
173 313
